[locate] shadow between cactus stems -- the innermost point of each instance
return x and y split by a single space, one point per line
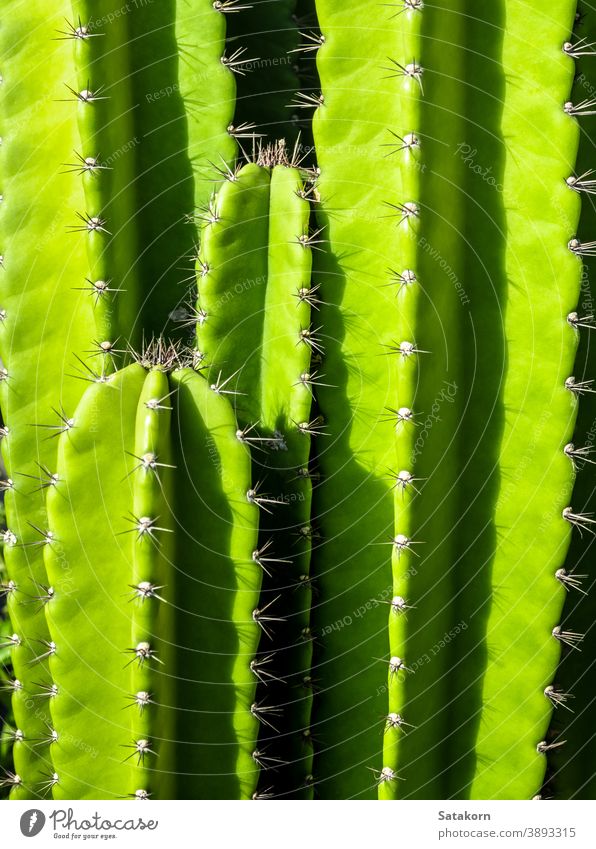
352 511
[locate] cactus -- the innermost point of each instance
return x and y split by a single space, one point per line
296 500
570 774
130 453
261 41
256 257
41 266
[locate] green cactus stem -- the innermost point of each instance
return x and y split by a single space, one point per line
140 96
94 660
353 504
259 50
297 495
43 322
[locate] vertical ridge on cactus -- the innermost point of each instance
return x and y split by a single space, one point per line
151 577
258 51
214 629
405 349
433 513
297 445
103 161
95 662
570 773
353 503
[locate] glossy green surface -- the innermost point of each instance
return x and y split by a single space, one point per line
353 504
267 83
91 619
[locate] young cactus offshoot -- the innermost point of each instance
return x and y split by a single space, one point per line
297 453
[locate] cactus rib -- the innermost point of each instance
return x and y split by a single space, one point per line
353 502
93 658
40 264
534 534
215 630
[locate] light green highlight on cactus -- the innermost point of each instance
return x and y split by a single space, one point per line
407 158
232 277
151 573
312 548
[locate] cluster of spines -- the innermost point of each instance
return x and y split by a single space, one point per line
28 592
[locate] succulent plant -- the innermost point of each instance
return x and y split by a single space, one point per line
296 386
